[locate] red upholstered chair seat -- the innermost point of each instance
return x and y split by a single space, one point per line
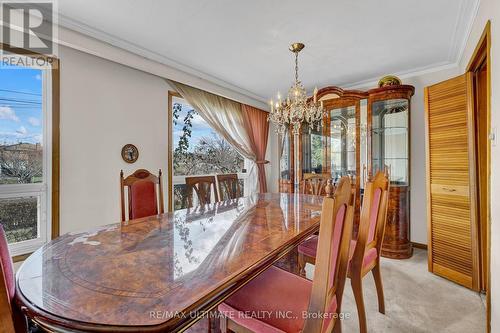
8 268
309 248
257 306
370 255
143 199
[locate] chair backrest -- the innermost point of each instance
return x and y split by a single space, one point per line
202 186
373 217
142 194
7 286
314 183
229 186
333 255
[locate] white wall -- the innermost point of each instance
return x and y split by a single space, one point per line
110 97
104 106
490 10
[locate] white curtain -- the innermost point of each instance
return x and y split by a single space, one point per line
226 118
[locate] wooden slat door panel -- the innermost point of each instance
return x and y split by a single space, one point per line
451 191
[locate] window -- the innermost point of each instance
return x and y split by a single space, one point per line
312 150
25 166
198 150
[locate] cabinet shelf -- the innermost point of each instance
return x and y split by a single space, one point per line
390 158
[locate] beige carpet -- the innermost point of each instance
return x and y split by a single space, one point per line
415 301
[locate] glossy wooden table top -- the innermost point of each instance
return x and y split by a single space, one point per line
141 273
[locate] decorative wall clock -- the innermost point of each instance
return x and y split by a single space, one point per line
130 153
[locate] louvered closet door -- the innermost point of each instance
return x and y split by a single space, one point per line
452 222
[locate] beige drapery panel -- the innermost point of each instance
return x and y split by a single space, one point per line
225 116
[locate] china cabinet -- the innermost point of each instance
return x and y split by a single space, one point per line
389 148
362 132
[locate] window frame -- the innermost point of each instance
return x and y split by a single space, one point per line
48 190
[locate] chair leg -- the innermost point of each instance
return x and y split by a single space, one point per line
337 328
357 289
223 324
380 289
302 265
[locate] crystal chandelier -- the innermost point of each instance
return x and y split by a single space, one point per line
296 109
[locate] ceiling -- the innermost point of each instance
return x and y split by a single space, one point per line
245 43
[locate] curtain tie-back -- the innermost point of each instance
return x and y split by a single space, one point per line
262 162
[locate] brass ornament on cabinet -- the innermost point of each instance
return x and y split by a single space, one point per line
389 80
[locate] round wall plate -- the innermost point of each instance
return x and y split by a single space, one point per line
130 153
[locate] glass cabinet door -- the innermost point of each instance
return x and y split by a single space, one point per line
285 156
390 144
343 142
313 148
363 143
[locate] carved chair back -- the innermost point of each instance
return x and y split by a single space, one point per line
202 186
333 255
142 194
229 186
314 183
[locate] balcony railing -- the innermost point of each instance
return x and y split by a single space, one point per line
180 195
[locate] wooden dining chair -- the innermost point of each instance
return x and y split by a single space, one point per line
142 194
276 291
314 183
11 318
202 186
328 189
229 186
365 251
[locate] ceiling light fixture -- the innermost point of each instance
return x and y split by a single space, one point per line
297 109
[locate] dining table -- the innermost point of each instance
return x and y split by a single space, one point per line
161 273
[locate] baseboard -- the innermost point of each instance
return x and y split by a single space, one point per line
419 245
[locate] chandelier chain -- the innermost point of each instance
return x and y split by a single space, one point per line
296 67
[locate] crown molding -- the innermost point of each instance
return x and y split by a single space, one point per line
102 36
463 27
373 82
